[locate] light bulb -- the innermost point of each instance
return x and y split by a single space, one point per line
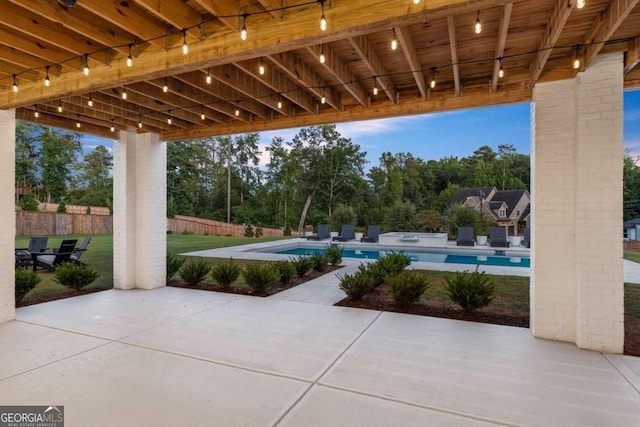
375 90
501 72
140 125
85 70
243 34
113 128
185 46
60 107
279 104
90 102
261 69
323 99
202 116
394 43
15 85
416 1
169 120
36 114
129 61
576 63
208 79
47 81
124 94
165 86
322 58
432 84
580 4
78 125
237 112
478 26
323 23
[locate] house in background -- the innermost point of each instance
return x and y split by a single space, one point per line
508 208
632 229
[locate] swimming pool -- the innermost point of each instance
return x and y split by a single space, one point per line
447 257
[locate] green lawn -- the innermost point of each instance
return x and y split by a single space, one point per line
99 255
632 256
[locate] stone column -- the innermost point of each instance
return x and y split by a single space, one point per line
7 213
576 181
139 211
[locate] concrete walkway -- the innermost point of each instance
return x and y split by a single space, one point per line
185 357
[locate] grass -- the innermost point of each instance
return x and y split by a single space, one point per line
632 256
99 255
632 300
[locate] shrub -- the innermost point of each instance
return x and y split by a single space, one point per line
402 216
302 264
194 272
343 214
206 233
259 231
225 273
287 230
25 282
333 254
319 261
248 231
62 207
169 232
465 216
29 202
376 271
88 212
75 276
356 285
393 263
286 270
174 262
260 276
407 287
471 291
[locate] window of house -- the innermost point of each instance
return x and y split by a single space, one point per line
518 213
502 213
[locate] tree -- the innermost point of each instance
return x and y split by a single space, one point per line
58 154
505 152
94 180
403 216
26 153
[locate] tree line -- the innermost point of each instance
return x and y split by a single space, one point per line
319 176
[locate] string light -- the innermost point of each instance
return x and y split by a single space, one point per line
243 31
375 87
501 70
47 80
90 101
165 86
478 26
261 68
169 118
202 116
85 69
113 127
322 57
15 83
208 79
124 93
433 78
394 40
323 99
580 4
576 58
323 19
279 103
185 46
416 1
129 58
36 114
78 121
237 108
60 106
139 121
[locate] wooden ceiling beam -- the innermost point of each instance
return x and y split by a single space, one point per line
615 14
40 49
373 62
129 17
336 66
453 43
559 17
271 6
279 83
64 123
223 9
176 13
442 101
249 87
224 92
410 54
632 58
505 19
305 76
49 31
77 21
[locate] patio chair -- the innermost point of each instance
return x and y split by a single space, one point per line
77 252
526 241
23 255
347 232
465 237
373 233
51 261
498 237
321 233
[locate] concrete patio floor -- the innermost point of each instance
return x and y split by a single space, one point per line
185 357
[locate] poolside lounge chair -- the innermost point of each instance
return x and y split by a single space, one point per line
465 236
498 237
347 232
51 261
23 255
526 241
321 233
373 232
77 252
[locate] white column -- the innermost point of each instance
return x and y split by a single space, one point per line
139 211
7 214
577 151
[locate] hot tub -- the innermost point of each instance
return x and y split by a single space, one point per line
413 239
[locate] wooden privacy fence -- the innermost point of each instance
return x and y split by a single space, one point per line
181 224
49 223
75 209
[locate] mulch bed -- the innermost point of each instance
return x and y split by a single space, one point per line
379 299
278 287
631 336
62 295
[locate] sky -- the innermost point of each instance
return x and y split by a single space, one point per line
437 135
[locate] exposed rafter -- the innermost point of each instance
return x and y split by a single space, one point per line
453 42
633 55
404 39
505 19
373 62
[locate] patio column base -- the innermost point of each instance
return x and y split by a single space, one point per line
577 292
7 212
139 211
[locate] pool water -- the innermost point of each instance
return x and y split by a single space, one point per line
426 256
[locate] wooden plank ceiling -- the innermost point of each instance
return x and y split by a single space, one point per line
289 71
